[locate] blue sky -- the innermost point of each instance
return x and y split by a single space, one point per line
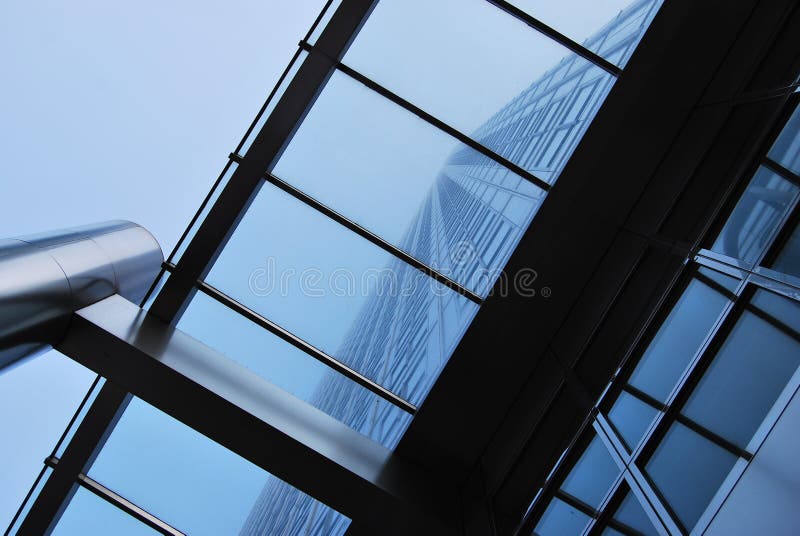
118 110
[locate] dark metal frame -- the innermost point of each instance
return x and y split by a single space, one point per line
669 413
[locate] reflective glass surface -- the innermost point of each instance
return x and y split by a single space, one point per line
194 484
89 515
688 469
786 149
561 519
631 417
392 173
610 28
758 215
724 280
744 380
531 108
788 260
293 370
592 476
782 309
631 514
342 294
677 340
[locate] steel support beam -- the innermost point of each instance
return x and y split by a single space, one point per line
282 434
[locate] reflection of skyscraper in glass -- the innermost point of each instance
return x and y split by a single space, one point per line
469 223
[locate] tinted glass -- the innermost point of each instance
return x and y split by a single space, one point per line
561 519
531 108
786 150
678 339
611 28
788 260
293 370
189 481
631 417
726 281
782 309
757 217
688 469
89 515
744 380
592 476
631 514
409 183
342 294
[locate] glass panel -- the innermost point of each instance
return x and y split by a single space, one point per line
89 515
788 260
345 296
786 149
561 519
463 217
678 340
272 102
190 482
726 281
611 28
293 370
611 532
757 217
592 476
688 469
205 209
631 417
531 108
744 380
631 514
783 309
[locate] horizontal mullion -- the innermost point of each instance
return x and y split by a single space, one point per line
713 437
784 172
121 502
433 120
555 35
373 238
309 349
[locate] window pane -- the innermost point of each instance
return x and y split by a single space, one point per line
184 478
340 293
592 476
631 417
293 370
89 515
726 281
788 261
611 28
688 469
786 150
757 217
678 339
561 519
746 377
783 309
388 171
456 66
631 513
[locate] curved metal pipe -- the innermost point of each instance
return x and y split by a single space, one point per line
44 278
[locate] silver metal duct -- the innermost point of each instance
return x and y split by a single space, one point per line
44 278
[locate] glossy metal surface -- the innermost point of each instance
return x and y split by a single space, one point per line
45 277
